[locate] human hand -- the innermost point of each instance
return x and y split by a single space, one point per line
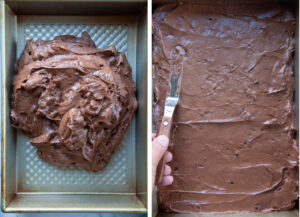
159 148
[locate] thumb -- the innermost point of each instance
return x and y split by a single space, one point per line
159 147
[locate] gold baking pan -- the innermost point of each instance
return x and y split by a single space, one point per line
32 185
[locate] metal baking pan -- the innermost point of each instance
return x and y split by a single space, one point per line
290 213
32 185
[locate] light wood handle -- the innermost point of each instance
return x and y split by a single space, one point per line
165 129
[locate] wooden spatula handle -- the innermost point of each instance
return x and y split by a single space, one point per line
165 129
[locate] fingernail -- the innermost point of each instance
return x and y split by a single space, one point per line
164 140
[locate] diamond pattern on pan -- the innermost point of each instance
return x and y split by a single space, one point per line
103 35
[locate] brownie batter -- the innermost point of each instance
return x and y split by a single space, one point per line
75 101
233 134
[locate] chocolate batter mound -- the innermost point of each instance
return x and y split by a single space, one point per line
75 101
232 139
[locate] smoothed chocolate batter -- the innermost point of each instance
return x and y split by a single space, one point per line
232 137
74 101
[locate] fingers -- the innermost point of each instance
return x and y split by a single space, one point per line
167 180
159 147
167 170
169 157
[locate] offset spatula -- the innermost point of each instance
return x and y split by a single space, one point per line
176 57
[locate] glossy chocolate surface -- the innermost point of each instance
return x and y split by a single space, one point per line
74 101
232 137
